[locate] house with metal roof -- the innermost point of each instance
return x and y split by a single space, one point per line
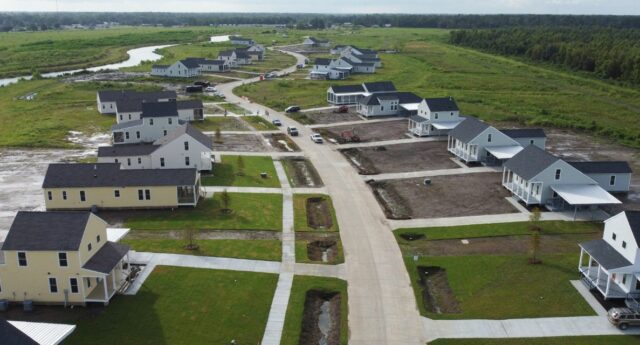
157 119
107 99
435 116
61 258
388 104
611 265
351 94
131 110
183 147
108 186
536 177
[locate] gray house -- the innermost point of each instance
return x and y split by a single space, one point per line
156 121
351 94
107 99
435 116
613 176
474 141
388 104
527 136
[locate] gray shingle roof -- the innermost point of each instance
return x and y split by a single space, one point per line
242 55
442 104
190 104
322 62
125 150
605 254
128 124
226 52
379 86
633 217
117 95
186 129
408 97
159 109
603 167
107 257
212 62
62 175
418 119
530 161
524 132
45 231
353 63
11 335
369 100
468 129
347 88
191 62
129 105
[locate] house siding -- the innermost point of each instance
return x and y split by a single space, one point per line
104 197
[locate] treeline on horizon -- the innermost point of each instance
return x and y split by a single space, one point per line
34 21
608 53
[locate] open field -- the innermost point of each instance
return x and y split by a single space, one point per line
227 172
260 123
585 340
273 61
428 155
249 212
368 132
226 123
296 315
325 116
270 250
314 212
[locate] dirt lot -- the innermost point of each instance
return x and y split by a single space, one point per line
447 196
428 155
326 116
368 132
282 142
242 142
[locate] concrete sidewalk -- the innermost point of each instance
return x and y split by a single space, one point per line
218 189
357 122
426 173
278 311
388 142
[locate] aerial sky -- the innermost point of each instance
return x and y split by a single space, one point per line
624 7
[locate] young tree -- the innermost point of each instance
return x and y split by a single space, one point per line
534 219
240 164
218 136
226 201
190 239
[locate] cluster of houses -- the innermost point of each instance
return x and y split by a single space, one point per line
227 59
351 60
312 42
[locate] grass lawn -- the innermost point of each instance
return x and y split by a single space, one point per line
295 310
233 108
300 222
270 250
585 340
259 123
501 229
303 257
504 287
184 306
225 173
225 123
273 61
251 211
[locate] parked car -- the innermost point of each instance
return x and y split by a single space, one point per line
292 109
193 89
317 138
292 131
276 122
342 109
300 66
210 89
270 75
624 317
202 83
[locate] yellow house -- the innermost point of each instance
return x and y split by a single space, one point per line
106 186
61 258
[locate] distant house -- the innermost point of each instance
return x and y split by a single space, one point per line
184 147
157 119
229 56
338 49
612 264
527 136
188 110
351 94
107 186
256 52
358 55
313 42
61 258
327 69
355 67
243 57
435 116
107 99
245 41
537 177
189 67
388 104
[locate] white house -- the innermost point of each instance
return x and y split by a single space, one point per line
326 69
131 110
537 177
474 141
245 41
435 116
355 67
189 67
361 55
156 121
229 56
612 176
351 94
107 99
388 104
314 42
243 57
338 49
184 147
612 264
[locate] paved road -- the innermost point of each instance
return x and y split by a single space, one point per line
382 306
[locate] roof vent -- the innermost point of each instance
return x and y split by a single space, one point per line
95 167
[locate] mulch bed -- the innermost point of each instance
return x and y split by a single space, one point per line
311 332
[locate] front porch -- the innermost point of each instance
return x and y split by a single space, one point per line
605 266
527 192
465 152
608 289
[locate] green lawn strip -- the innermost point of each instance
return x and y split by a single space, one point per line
505 287
303 257
251 211
295 309
300 212
225 173
270 250
259 123
233 108
500 229
583 340
184 306
225 123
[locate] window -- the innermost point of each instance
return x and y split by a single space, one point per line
624 244
531 142
624 279
138 134
613 236
116 193
89 247
62 260
140 194
53 285
436 116
64 195
73 283
186 161
129 116
88 282
151 122
147 194
121 118
164 132
186 146
129 161
489 138
170 120
98 238
612 180
558 172
22 259
49 195
115 160
126 135
83 197
161 162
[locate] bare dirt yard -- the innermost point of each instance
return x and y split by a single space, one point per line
326 116
446 196
242 142
368 132
426 155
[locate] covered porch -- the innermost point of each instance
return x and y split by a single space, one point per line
464 151
499 154
579 197
344 98
601 268
111 269
527 191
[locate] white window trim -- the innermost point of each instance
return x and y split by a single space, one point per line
66 257
49 284
77 285
25 258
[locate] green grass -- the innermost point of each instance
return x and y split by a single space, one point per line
505 287
295 310
300 212
260 123
227 123
233 108
251 211
303 257
584 340
269 250
225 173
274 60
184 306
500 229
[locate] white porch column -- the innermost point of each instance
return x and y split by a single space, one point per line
104 286
113 278
589 268
580 261
598 276
606 291
529 192
504 173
